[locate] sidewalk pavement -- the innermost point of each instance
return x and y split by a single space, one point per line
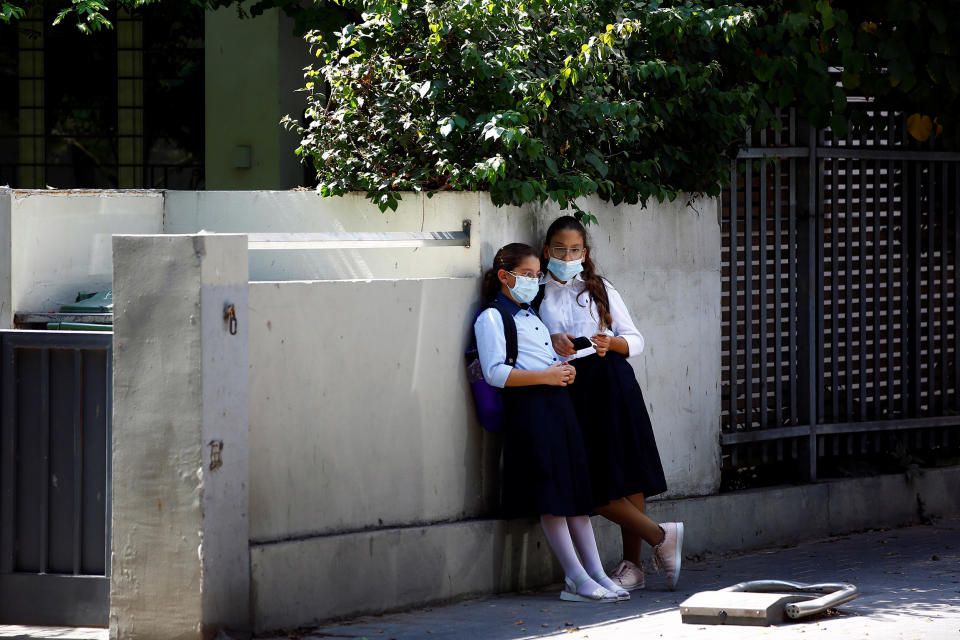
909 581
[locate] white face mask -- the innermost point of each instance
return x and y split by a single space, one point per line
524 289
565 270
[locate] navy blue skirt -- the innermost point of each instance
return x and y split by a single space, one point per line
545 468
621 448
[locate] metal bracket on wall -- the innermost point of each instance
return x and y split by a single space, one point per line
360 239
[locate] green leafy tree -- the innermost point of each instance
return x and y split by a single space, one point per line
531 99
539 100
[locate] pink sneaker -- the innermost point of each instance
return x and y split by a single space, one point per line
628 575
668 554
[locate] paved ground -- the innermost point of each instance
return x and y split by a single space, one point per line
909 581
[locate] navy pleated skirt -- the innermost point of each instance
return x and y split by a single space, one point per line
621 448
545 468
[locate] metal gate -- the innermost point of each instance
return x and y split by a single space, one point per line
55 412
840 273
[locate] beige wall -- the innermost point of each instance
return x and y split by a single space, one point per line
345 372
360 410
252 69
60 241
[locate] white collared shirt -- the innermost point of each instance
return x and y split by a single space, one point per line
534 348
563 313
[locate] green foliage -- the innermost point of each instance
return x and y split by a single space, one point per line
530 99
539 100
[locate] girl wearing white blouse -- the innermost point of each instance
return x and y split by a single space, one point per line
544 462
621 449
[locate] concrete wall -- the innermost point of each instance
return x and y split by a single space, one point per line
6 241
180 541
305 211
360 411
665 261
59 241
252 71
362 432
417 565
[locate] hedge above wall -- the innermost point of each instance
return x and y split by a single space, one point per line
539 100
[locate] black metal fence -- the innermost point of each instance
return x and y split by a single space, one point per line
840 273
55 412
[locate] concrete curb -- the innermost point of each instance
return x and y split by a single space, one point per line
303 582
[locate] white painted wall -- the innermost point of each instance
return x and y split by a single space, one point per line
665 261
6 305
360 414
60 241
180 542
305 211
322 351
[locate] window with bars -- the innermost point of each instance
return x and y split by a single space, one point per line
120 108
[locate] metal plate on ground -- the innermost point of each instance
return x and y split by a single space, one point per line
737 607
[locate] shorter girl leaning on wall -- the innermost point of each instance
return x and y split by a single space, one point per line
625 466
544 463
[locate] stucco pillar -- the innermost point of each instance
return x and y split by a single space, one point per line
180 536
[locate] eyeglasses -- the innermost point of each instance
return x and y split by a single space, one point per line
560 253
529 274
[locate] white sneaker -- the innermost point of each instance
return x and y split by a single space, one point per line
668 554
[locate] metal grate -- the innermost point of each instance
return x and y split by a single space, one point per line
55 404
840 305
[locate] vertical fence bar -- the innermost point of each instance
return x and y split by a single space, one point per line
864 291
956 281
734 283
912 378
792 235
108 473
77 457
44 463
891 289
879 292
944 282
834 290
807 212
848 289
931 367
748 293
777 296
8 455
762 219
819 221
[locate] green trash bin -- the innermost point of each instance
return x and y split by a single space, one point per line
92 302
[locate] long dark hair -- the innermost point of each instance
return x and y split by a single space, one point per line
507 258
593 283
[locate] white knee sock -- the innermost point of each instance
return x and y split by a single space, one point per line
558 536
581 531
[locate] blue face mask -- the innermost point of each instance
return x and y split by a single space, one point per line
525 289
565 270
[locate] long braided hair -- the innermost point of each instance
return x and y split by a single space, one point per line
593 283
507 258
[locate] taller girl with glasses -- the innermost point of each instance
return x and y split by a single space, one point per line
544 463
625 466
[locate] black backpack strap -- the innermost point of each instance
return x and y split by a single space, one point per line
509 332
537 299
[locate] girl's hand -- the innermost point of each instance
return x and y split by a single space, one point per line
562 344
601 342
560 375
